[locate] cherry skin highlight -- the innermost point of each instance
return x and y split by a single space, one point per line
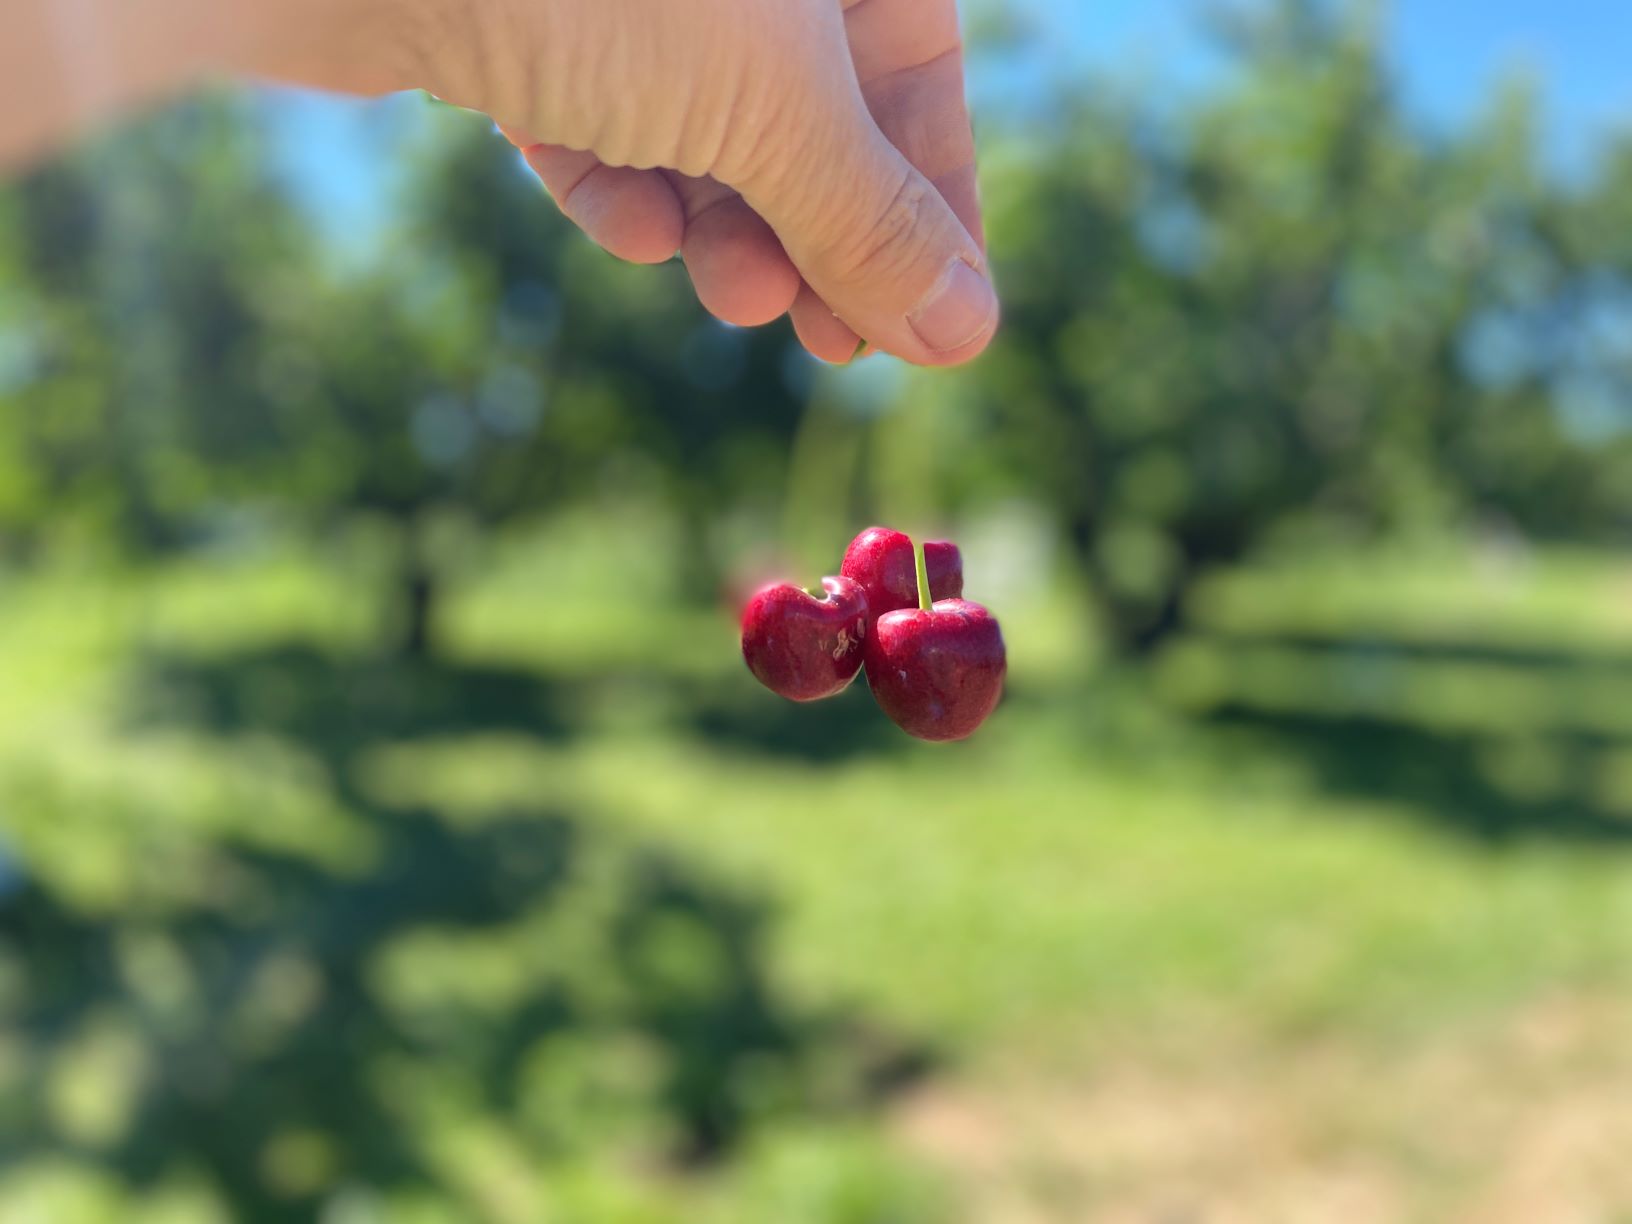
882 561
938 674
802 647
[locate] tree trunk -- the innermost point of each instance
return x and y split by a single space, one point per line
1156 625
1137 629
417 609
412 628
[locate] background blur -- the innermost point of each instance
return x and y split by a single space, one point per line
391 830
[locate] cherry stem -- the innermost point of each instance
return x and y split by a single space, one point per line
922 564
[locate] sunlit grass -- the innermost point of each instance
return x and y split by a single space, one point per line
1092 877
997 891
1029 877
1436 594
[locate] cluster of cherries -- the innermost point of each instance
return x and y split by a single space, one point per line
935 661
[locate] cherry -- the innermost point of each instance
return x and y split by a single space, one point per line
883 561
937 674
937 670
801 646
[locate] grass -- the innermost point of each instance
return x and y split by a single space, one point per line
1005 896
1102 917
1433 594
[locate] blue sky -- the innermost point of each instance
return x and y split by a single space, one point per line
1581 50
1447 54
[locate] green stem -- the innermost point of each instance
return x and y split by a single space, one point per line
922 564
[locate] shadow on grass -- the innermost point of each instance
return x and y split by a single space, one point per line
296 1028
1499 742
337 707
1452 780
820 732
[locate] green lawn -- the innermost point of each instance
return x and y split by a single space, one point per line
1096 916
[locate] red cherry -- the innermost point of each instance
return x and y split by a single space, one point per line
882 561
803 647
937 674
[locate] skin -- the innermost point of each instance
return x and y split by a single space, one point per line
806 157
937 674
802 647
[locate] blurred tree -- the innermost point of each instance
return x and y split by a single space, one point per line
184 355
525 370
144 279
1283 310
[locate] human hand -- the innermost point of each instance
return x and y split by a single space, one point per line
812 156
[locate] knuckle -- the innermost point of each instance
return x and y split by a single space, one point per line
893 240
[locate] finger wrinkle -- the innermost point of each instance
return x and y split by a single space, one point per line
896 36
581 181
927 67
925 59
692 217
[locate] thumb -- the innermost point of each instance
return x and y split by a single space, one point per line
870 234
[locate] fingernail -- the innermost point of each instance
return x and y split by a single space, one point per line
957 312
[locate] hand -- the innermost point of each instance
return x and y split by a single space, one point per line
812 156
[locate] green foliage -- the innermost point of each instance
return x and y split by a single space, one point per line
1287 311
190 365
156 274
